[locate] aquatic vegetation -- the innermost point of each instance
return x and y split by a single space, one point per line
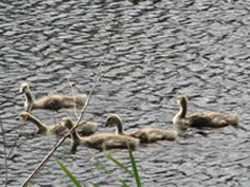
100 166
135 173
69 174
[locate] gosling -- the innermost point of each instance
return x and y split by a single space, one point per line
51 102
100 141
146 135
85 129
208 119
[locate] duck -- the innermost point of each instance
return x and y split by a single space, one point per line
146 135
101 141
206 119
85 128
51 102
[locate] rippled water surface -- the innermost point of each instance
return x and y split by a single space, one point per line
158 50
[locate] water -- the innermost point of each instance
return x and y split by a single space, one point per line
158 50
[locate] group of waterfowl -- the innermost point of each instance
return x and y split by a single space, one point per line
85 133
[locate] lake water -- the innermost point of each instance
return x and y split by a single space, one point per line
159 49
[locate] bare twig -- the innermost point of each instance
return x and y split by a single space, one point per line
6 157
54 117
5 153
19 133
72 90
42 163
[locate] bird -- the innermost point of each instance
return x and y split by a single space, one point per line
51 102
206 119
101 141
146 135
85 128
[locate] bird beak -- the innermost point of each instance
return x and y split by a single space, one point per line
105 125
21 90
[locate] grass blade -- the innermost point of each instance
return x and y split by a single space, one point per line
69 174
100 166
123 183
136 174
119 164
94 184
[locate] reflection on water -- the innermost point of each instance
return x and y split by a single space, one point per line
158 50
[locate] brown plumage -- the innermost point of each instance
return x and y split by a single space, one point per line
146 135
85 129
51 102
149 135
100 141
202 119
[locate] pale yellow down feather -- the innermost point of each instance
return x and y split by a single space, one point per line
146 135
85 129
51 102
100 141
209 119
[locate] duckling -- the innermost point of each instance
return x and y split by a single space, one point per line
43 128
85 129
100 141
146 135
51 102
203 119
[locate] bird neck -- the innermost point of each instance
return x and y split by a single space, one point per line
181 114
41 126
76 139
119 127
183 109
29 103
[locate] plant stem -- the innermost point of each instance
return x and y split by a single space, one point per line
5 153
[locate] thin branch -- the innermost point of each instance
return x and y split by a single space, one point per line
5 153
46 158
73 94
7 156
19 132
15 143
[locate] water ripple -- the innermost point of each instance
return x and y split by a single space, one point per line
159 49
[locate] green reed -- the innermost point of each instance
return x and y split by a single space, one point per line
69 174
100 166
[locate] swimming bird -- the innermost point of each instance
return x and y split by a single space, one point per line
102 141
51 102
202 119
85 129
146 135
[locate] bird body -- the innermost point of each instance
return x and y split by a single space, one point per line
100 141
51 102
149 135
209 119
42 127
85 129
146 135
